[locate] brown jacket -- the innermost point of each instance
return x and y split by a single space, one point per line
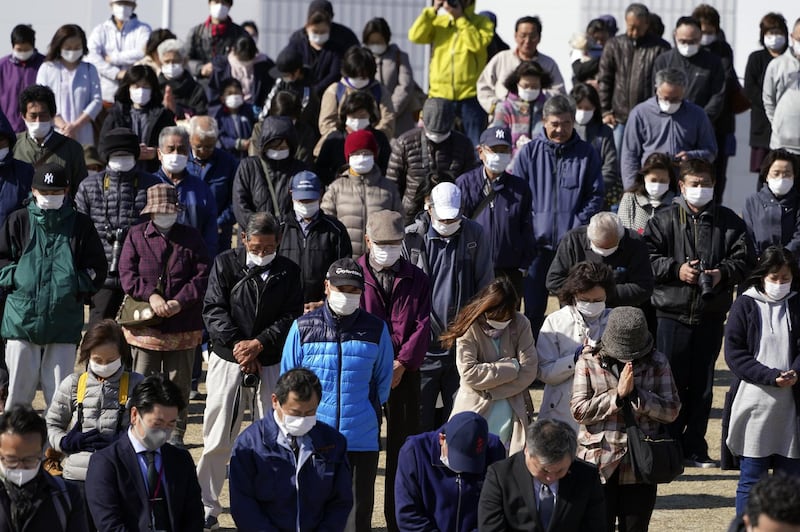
487 375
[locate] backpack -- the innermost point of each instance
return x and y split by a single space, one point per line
124 382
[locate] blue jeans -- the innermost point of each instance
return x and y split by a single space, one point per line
619 134
536 293
754 469
473 118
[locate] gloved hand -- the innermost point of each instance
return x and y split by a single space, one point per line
76 440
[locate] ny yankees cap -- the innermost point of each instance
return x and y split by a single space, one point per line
50 176
496 136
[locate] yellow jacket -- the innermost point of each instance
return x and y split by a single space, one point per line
459 51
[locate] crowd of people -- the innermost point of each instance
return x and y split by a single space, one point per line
345 247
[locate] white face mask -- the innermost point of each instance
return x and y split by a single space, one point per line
708 38
4 153
777 291
497 162
122 12
38 130
668 107
774 42
656 190
780 186
140 95
306 210
19 476
278 155
603 252
318 38
342 303
22 56
438 138
234 101
105 370
698 196
528 95
377 49
590 310
258 260
51 202
121 163
499 325
172 70
583 116
174 163
165 221
298 425
358 83
71 56
688 50
362 164
446 230
218 11
386 255
357 124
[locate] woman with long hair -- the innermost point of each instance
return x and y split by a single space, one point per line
496 360
762 340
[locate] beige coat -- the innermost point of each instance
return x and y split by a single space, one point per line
487 375
329 111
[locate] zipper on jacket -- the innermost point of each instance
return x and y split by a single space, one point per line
458 506
341 370
694 297
557 186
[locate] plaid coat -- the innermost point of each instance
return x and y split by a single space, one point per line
602 439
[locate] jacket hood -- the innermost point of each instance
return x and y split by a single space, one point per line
7 131
278 127
760 296
555 145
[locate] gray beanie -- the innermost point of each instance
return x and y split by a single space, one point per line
438 115
626 337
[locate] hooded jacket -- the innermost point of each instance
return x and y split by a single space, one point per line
251 191
458 50
15 175
773 221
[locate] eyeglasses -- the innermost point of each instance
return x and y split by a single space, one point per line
29 462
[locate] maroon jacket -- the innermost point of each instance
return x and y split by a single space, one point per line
140 265
406 313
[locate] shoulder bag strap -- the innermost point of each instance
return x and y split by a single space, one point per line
272 194
485 202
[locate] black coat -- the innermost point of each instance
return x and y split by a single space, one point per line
326 242
707 86
508 502
158 117
190 98
672 235
330 160
262 82
760 127
46 517
238 306
325 65
630 263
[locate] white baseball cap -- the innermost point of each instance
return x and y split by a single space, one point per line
446 199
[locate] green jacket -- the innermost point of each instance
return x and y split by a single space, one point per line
54 261
66 153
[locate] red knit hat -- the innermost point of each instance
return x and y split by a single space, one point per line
362 139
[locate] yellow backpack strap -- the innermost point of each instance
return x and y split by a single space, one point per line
123 388
82 387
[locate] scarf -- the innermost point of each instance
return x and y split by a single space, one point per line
218 30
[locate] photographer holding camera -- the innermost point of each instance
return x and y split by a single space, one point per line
699 252
114 199
252 299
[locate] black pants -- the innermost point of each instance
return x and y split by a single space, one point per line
438 374
692 351
632 504
81 485
364 467
516 278
402 421
105 304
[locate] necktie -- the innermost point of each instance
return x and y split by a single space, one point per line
155 492
547 502
294 446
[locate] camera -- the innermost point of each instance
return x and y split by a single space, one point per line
115 237
704 281
250 380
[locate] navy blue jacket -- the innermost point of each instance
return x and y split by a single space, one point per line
233 127
566 182
264 482
507 219
772 221
431 496
218 172
15 175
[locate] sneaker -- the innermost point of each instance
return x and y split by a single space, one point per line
210 524
701 461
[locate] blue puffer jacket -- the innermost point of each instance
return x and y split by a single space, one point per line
506 220
566 181
352 356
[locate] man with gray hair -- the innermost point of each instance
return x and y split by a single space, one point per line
182 94
606 241
666 123
566 181
200 209
544 487
216 167
246 339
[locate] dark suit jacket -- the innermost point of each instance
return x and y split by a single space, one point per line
117 496
508 503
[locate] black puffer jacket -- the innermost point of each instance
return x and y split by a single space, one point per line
251 192
414 157
672 238
114 200
158 117
626 73
326 242
262 309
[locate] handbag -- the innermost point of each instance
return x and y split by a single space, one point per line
656 460
134 313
